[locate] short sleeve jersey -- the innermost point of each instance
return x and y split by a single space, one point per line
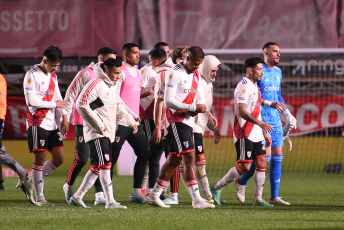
247 93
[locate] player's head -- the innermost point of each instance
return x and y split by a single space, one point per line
164 46
271 52
157 57
131 53
194 58
179 53
112 68
106 53
51 59
209 67
254 68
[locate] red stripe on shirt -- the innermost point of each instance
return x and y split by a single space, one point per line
89 89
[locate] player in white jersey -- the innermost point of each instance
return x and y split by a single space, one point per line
82 150
249 132
184 99
42 96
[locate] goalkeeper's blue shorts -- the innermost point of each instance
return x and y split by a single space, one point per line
277 137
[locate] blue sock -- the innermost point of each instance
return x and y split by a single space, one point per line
268 158
244 178
275 174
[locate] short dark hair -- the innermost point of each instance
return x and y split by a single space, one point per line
105 51
158 53
111 62
196 52
253 62
53 53
127 47
268 44
159 44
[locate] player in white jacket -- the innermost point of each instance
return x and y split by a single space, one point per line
100 107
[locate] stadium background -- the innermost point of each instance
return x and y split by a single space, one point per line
310 36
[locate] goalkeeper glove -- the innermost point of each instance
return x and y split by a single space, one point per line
291 119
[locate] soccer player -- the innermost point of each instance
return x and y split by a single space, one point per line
270 87
82 150
249 132
130 91
182 91
179 53
42 96
100 107
25 181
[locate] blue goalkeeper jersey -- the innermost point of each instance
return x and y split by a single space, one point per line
270 89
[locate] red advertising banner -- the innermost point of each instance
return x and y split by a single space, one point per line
312 114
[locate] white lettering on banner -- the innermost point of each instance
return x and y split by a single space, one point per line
30 20
325 115
300 116
321 65
18 114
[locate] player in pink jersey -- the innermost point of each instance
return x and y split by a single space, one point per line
249 132
184 98
42 96
82 150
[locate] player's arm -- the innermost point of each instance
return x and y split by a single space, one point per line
248 117
158 115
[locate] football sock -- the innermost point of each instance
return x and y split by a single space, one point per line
275 174
243 180
202 178
193 189
48 167
259 179
159 186
174 181
174 195
231 175
89 179
105 180
268 158
37 178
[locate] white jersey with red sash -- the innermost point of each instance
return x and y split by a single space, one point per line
182 91
41 91
247 93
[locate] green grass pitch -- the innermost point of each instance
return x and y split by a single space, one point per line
317 199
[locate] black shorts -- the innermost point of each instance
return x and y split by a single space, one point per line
100 152
247 150
199 144
40 140
181 138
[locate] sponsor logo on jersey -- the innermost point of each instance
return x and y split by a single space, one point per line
185 81
81 139
117 139
271 88
186 144
200 148
48 92
107 157
248 154
42 142
169 85
171 76
29 80
190 90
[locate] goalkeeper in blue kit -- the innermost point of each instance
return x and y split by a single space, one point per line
270 88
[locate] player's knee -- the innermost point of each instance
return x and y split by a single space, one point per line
245 167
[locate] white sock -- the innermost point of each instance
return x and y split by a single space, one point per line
100 196
37 178
231 175
105 180
149 191
89 179
193 189
173 195
202 178
159 187
259 180
48 167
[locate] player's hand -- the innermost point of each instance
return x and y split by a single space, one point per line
279 106
290 118
61 104
157 136
268 140
213 120
265 126
138 120
64 125
200 108
217 136
134 128
102 132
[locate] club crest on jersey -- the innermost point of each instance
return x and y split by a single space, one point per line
248 154
107 157
199 148
42 142
81 139
186 144
117 139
